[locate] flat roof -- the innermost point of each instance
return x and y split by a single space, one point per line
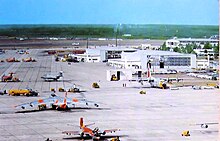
197 39
120 48
137 55
158 52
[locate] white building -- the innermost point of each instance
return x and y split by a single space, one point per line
147 46
155 59
128 58
176 42
203 63
207 64
203 52
101 54
172 43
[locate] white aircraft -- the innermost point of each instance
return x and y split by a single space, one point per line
154 82
50 77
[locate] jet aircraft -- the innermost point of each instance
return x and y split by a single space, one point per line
205 125
154 82
51 77
55 102
87 132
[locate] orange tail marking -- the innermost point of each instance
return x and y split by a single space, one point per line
75 100
40 101
63 106
148 71
81 122
56 101
64 101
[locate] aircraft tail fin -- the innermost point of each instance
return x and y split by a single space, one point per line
148 71
65 98
81 122
65 95
61 74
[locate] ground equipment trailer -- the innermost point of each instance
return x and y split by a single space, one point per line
25 92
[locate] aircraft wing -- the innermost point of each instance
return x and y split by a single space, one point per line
210 123
71 132
46 101
89 103
111 130
48 76
140 79
71 102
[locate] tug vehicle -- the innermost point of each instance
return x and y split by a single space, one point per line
95 85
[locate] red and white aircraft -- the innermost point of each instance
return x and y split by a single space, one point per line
86 132
55 102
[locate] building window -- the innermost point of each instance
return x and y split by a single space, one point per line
178 61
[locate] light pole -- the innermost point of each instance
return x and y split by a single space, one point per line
87 42
117 32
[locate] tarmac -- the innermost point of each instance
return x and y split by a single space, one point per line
157 115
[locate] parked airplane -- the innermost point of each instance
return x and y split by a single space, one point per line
51 77
29 60
12 59
206 125
55 102
86 132
9 78
154 82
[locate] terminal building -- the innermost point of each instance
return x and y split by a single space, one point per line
128 58
102 54
156 60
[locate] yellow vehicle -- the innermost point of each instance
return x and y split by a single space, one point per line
114 78
185 133
142 92
95 85
61 90
115 139
73 90
25 92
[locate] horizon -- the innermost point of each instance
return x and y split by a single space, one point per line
118 24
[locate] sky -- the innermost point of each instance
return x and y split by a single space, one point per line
187 12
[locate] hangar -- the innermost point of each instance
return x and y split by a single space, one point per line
129 58
156 60
102 54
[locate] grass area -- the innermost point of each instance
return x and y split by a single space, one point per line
137 31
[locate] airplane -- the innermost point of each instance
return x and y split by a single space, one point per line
2 51
196 87
86 132
9 78
55 102
29 60
22 51
206 125
153 81
50 77
12 59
